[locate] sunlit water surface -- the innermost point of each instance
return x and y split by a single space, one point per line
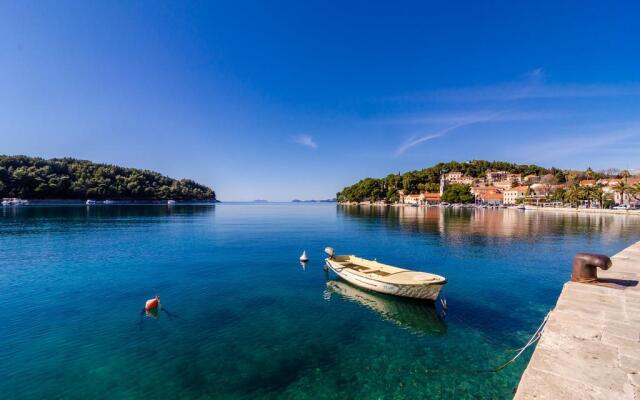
250 322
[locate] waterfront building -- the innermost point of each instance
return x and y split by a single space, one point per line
431 198
410 198
503 185
512 195
478 190
421 198
539 189
492 199
627 198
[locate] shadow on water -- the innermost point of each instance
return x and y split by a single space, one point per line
418 317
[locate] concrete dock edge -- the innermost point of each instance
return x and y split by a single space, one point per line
590 347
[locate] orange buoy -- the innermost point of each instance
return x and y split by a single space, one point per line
152 304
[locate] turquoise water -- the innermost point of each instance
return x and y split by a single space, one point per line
249 322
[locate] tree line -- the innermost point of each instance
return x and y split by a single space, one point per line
68 178
428 179
594 194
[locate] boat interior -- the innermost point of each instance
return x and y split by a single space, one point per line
386 273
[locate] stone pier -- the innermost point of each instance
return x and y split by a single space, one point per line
590 347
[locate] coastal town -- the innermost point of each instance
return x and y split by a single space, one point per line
503 189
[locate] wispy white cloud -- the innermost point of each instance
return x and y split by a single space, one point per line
532 86
510 92
599 141
504 102
417 140
305 140
453 118
413 141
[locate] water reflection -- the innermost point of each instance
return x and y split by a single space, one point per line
24 220
418 317
102 211
454 223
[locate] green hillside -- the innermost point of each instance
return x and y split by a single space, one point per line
428 179
68 178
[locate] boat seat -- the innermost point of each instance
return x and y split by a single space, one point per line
354 266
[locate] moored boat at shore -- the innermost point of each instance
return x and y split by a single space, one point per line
384 278
14 201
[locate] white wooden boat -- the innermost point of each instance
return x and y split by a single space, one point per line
384 278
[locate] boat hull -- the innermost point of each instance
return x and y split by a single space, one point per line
425 291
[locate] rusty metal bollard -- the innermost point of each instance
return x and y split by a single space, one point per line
585 267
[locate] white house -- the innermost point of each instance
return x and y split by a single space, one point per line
513 194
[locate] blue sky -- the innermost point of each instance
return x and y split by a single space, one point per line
283 100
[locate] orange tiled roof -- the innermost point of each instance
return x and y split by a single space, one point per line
484 189
431 196
518 188
491 196
587 182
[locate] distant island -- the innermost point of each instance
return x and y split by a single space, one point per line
68 178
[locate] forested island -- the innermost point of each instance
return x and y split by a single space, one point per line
68 178
390 187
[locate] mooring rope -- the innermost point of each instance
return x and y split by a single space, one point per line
534 338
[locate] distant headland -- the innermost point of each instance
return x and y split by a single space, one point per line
71 179
498 183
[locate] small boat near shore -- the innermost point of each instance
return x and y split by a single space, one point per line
384 278
14 201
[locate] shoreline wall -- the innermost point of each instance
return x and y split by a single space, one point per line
590 346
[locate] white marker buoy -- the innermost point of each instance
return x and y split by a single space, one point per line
304 257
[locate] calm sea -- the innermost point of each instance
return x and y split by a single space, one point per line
245 320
